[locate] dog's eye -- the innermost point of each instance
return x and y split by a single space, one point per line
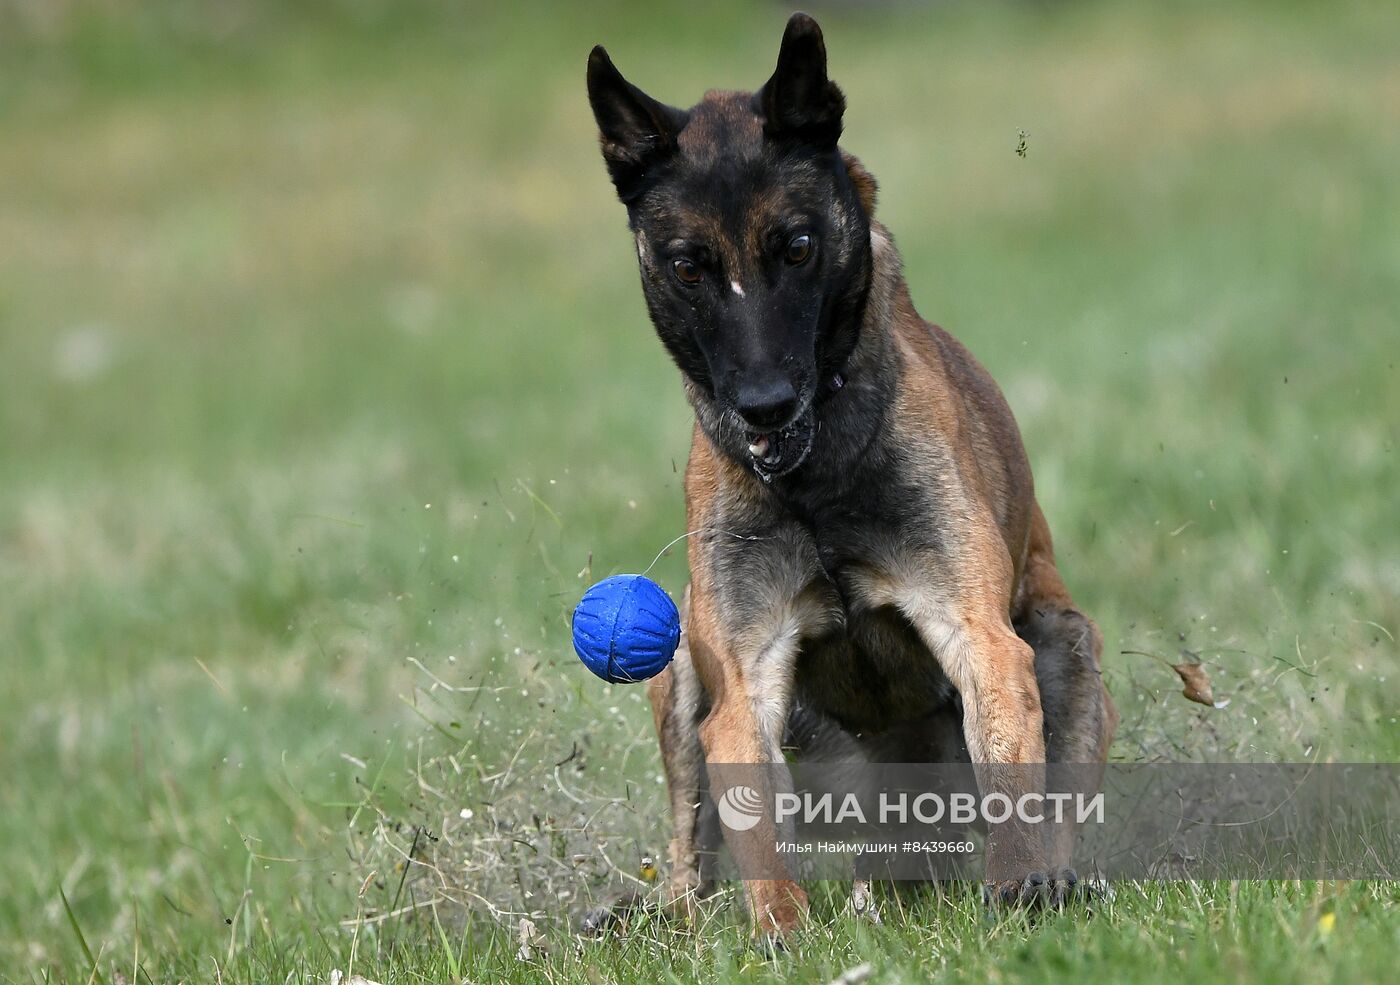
799 248
686 269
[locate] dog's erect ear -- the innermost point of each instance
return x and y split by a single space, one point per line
799 100
635 130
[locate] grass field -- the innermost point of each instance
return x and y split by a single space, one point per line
326 387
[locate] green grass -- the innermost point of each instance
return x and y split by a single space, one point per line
326 386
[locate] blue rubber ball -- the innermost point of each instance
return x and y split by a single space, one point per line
626 629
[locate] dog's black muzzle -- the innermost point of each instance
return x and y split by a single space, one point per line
778 452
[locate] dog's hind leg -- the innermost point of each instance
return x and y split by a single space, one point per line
1079 717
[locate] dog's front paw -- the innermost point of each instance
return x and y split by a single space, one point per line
778 909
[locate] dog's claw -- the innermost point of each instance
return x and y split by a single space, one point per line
1083 891
1064 888
1034 892
1038 891
1067 889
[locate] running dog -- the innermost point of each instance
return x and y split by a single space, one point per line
870 553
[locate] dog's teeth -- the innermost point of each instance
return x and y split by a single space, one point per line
758 448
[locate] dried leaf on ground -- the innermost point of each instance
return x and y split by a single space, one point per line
531 941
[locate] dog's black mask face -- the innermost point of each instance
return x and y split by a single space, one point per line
753 244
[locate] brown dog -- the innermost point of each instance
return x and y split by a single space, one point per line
869 552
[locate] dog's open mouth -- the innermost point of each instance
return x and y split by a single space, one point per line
779 452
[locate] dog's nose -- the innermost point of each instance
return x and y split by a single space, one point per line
767 404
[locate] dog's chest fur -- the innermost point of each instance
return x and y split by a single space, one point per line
860 661
871 673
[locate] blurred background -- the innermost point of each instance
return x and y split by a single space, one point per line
326 387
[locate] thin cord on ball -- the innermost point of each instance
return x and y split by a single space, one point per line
691 533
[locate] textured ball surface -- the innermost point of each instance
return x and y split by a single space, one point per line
626 629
